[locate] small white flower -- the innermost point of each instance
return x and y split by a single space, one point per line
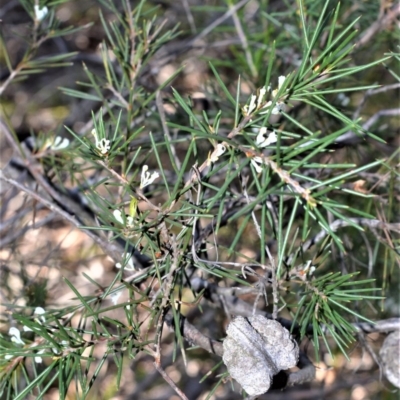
40 311
147 178
40 12
59 143
8 357
118 216
256 166
257 163
15 335
266 105
64 343
129 222
279 106
262 141
261 136
40 320
218 151
104 146
263 90
129 266
38 359
252 106
281 80
115 297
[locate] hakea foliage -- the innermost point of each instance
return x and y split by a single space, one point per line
255 166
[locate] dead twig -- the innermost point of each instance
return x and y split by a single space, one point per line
382 23
111 249
339 223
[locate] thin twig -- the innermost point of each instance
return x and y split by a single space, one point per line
372 92
34 225
218 22
169 381
189 16
157 357
164 125
195 337
339 223
119 96
243 41
351 137
110 249
382 22
306 371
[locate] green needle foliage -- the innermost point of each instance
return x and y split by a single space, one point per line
250 193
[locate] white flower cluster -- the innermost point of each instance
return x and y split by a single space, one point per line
15 335
279 105
262 140
147 178
257 101
128 221
103 145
